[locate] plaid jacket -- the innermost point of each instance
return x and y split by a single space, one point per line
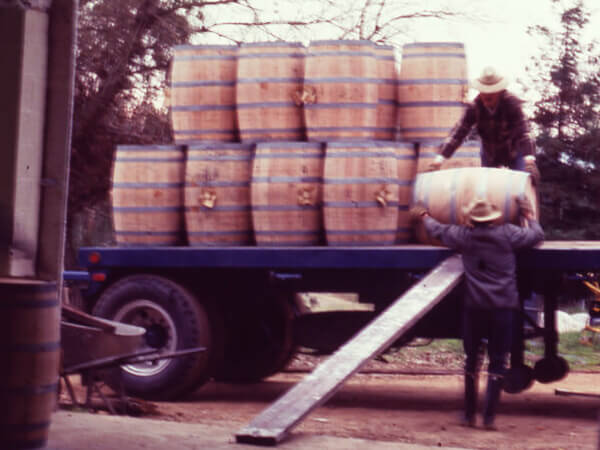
504 134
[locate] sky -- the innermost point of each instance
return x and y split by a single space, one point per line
494 31
500 38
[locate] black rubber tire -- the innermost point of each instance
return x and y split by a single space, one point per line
195 324
518 379
551 369
259 339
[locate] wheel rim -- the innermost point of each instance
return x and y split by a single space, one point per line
161 333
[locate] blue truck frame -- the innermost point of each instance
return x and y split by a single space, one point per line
345 269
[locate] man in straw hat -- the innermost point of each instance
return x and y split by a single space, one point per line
501 125
491 297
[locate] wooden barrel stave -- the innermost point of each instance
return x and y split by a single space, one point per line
432 87
407 166
147 194
287 194
269 83
217 194
360 193
342 94
387 104
202 94
30 336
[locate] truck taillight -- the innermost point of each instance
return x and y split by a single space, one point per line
99 276
94 257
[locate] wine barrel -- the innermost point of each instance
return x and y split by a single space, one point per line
467 155
360 193
446 193
340 90
147 194
269 83
217 194
386 122
407 167
287 193
202 95
30 354
432 86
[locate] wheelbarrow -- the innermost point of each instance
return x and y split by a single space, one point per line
92 346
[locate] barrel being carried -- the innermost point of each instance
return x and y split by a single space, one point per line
445 193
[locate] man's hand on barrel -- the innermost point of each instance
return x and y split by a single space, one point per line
525 208
531 167
436 164
417 212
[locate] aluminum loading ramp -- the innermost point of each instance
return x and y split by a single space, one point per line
275 422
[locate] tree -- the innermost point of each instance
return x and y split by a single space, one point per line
567 117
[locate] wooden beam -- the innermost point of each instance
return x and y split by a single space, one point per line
275 422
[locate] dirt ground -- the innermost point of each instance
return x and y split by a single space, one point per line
419 408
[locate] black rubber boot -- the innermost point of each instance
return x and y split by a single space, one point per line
471 389
492 398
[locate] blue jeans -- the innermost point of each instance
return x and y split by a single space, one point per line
495 325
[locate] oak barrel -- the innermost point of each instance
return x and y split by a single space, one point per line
269 83
340 90
217 194
446 193
360 193
467 155
287 193
30 354
407 168
202 95
147 194
387 104
432 87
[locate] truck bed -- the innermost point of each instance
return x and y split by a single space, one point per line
551 255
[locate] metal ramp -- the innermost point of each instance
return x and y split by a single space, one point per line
274 423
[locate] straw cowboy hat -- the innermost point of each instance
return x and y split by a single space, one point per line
480 210
490 81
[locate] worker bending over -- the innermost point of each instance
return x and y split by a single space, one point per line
499 120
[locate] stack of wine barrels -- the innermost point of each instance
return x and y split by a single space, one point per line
281 144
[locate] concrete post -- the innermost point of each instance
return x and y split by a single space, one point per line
23 57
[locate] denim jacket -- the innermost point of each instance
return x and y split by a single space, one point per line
489 260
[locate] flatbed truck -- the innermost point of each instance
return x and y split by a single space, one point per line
242 304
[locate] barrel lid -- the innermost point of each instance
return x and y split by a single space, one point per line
435 44
272 44
219 146
205 46
289 144
343 41
149 148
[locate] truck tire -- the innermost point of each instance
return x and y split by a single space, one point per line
174 319
259 339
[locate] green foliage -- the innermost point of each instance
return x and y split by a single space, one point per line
567 117
580 356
